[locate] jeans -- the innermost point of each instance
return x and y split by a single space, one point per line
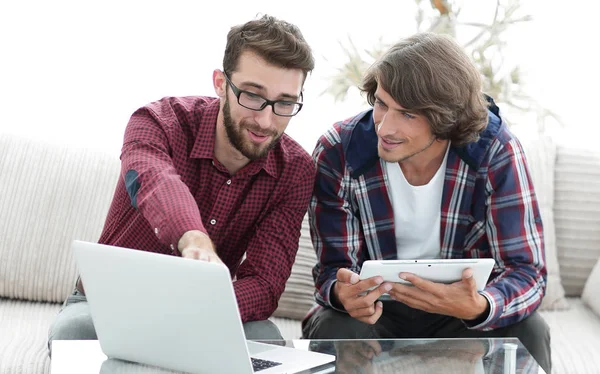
400 321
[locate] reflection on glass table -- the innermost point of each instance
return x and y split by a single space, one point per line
408 356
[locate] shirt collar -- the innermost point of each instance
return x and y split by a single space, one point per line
206 128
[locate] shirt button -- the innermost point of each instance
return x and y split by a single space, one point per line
156 230
172 247
229 181
213 221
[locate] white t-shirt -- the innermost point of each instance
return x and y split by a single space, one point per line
416 212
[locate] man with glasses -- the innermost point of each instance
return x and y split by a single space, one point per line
214 179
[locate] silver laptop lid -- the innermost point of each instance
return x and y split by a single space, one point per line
163 310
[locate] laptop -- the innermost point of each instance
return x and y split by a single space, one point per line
175 313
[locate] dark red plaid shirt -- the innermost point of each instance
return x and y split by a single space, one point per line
171 183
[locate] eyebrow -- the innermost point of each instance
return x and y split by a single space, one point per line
398 110
282 96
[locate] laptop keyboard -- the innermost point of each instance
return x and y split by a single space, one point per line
259 365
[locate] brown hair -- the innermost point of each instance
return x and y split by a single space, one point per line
278 42
432 75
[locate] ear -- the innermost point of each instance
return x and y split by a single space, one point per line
219 83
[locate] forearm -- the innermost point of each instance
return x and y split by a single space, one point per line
256 299
511 299
156 190
153 184
332 259
516 239
330 214
170 209
325 286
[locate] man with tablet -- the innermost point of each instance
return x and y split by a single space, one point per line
430 172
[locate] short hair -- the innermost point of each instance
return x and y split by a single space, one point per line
432 75
278 42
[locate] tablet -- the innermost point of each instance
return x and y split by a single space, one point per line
439 270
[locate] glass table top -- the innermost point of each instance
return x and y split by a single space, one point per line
406 356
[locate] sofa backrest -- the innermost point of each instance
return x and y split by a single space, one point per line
52 194
49 195
297 299
566 178
577 214
540 152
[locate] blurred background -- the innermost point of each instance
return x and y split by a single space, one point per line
72 72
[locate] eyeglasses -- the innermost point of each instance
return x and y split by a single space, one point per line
256 102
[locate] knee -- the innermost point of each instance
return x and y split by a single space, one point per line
73 322
262 330
327 323
534 333
78 327
534 329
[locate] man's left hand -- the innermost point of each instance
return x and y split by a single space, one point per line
459 299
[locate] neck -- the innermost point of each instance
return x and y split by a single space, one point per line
225 152
421 168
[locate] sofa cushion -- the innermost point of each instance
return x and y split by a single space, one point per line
575 338
591 290
289 328
24 337
577 214
540 152
49 195
298 297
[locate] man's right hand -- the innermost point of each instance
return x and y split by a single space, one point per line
353 294
202 254
197 245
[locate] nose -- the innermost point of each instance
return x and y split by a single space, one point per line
381 128
264 117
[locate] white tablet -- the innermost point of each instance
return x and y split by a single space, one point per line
438 270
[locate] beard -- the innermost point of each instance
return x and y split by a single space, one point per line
235 135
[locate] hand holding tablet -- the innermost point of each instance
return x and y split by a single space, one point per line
438 270
440 286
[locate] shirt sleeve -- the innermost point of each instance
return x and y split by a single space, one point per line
152 182
515 234
335 229
272 250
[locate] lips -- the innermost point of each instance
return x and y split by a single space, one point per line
389 144
258 137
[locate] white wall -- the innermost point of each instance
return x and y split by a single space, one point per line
73 71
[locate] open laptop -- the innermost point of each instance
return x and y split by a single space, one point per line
175 313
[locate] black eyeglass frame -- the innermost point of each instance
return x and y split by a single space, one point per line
238 92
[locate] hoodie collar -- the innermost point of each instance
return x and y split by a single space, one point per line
359 141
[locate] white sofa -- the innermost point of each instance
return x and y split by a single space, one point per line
50 195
